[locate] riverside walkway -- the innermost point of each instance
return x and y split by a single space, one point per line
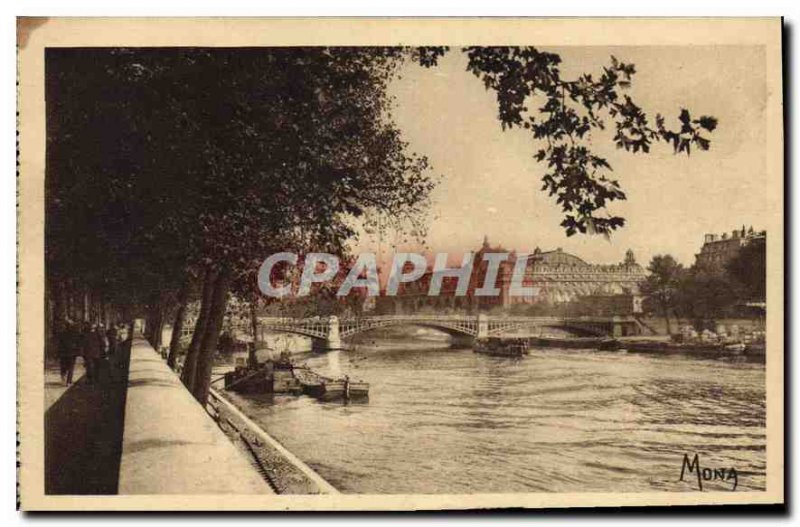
139 431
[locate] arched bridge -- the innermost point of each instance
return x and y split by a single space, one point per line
332 330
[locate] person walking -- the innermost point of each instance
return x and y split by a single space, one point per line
101 362
111 336
92 345
67 350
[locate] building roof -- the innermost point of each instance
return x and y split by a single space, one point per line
557 257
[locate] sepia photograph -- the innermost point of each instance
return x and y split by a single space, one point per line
380 264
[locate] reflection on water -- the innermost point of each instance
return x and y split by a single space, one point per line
445 420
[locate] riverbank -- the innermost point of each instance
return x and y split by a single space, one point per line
281 469
284 471
659 345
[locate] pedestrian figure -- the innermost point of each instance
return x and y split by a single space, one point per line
122 337
67 350
101 363
111 335
92 351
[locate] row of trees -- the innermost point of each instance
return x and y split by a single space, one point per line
172 173
703 295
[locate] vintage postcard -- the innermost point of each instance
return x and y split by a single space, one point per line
399 264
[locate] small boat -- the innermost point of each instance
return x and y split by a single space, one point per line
284 381
334 389
356 389
249 379
756 348
502 347
312 383
567 342
737 347
610 344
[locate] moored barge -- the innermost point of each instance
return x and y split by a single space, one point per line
502 347
285 377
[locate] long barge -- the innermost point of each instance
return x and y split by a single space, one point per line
502 347
635 345
567 342
283 376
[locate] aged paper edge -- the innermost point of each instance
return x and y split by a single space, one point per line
34 35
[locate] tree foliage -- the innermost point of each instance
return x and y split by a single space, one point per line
748 270
533 94
705 296
702 294
662 284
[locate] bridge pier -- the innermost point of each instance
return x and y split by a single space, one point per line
616 327
624 327
483 327
334 340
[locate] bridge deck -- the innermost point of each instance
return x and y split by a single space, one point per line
476 326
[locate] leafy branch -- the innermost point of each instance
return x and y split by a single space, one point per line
532 94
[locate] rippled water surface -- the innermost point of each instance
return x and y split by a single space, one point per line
445 420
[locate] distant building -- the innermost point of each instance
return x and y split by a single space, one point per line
557 278
607 305
718 250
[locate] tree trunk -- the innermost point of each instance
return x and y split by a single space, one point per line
161 314
50 317
153 323
106 314
74 303
92 307
84 306
252 360
190 364
74 312
177 325
148 326
666 319
68 300
208 346
59 304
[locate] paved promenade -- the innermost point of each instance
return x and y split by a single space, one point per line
54 386
170 444
138 431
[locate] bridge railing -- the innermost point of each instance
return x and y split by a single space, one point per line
318 326
320 320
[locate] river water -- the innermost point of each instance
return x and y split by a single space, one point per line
443 420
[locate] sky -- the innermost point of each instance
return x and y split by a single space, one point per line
490 184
